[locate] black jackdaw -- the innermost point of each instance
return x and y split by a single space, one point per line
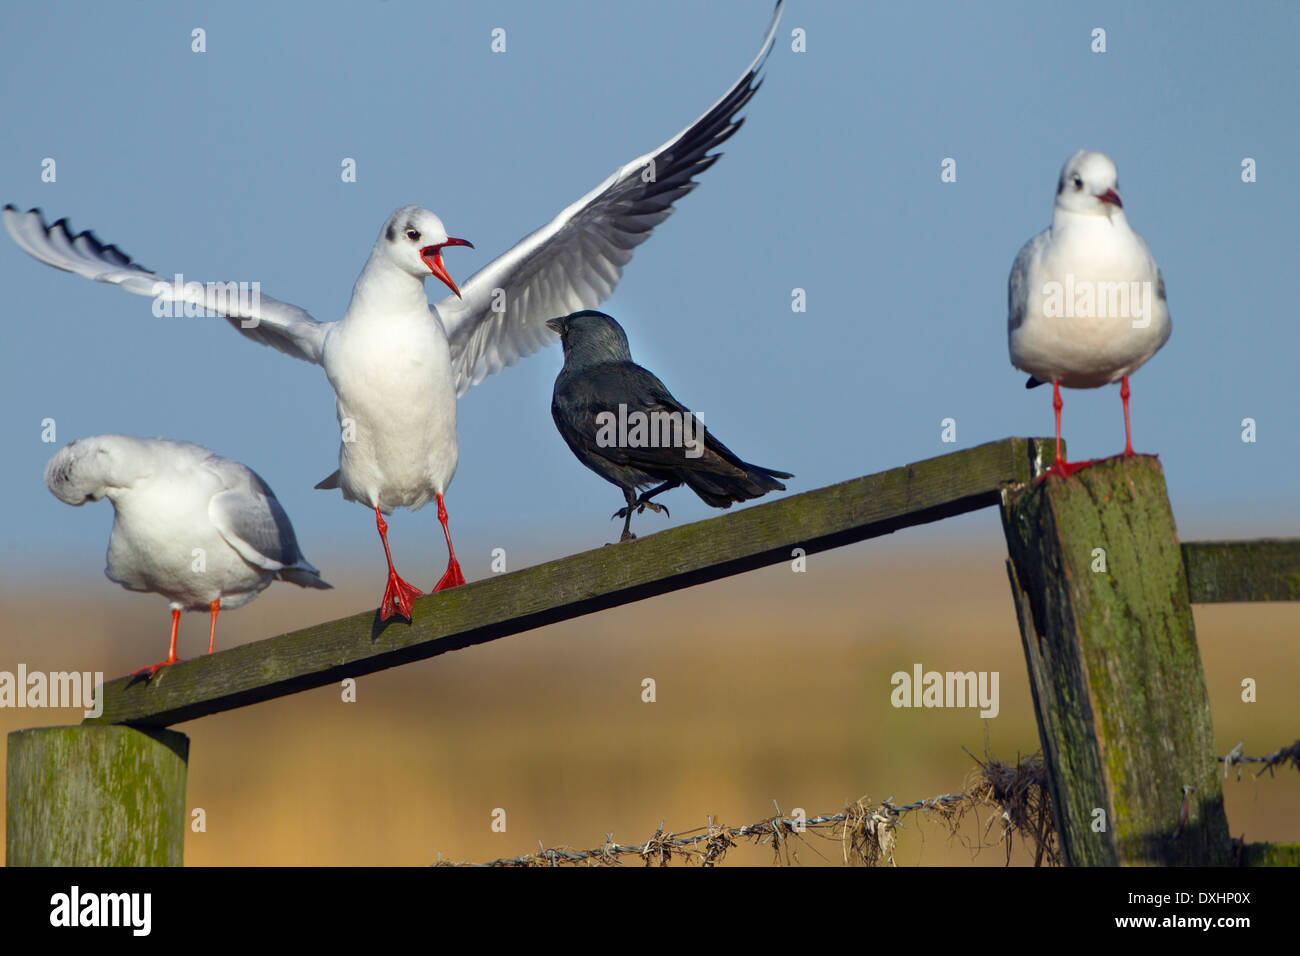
624 424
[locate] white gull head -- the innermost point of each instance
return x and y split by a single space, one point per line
1089 186
413 239
86 469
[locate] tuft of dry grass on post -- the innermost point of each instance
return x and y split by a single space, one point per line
865 831
1021 792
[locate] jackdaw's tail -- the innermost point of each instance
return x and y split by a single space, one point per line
739 482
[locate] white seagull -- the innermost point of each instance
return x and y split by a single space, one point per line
1086 300
201 530
396 363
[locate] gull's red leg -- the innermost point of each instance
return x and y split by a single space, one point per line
1060 467
214 607
171 654
1128 434
1057 405
452 578
398 595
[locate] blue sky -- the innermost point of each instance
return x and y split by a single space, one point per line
225 165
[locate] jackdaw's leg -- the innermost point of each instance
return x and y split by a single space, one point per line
626 514
644 501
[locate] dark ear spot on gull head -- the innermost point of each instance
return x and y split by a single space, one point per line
73 480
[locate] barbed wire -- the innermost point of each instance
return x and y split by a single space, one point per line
1279 757
865 831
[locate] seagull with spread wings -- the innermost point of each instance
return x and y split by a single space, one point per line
398 364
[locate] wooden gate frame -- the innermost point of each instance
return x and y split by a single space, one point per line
1102 587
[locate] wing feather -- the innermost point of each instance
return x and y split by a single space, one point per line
1018 281
575 261
260 317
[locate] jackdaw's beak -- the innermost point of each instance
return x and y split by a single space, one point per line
556 326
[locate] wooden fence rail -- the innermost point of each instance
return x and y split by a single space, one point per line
1267 569
605 577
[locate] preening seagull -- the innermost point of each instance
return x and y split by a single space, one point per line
396 363
1086 300
203 531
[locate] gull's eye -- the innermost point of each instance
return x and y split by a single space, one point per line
1078 182
413 235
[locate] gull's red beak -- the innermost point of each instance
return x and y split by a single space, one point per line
1111 197
432 256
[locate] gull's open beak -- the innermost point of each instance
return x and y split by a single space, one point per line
556 326
432 256
1112 197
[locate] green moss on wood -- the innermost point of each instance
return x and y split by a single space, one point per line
1112 655
1267 569
1270 854
95 796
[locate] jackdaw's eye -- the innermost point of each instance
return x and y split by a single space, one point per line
413 235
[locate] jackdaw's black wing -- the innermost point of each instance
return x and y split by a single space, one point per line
690 454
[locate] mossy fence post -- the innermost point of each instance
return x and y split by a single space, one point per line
95 796
1106 621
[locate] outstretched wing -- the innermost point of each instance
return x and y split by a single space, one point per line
575 260
260 317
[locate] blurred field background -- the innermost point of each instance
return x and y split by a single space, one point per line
771 686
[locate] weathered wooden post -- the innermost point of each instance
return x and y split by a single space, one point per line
1106 621
95 796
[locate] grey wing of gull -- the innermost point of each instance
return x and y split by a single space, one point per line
1018 282
251 521
1160 294
263 319
575 261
